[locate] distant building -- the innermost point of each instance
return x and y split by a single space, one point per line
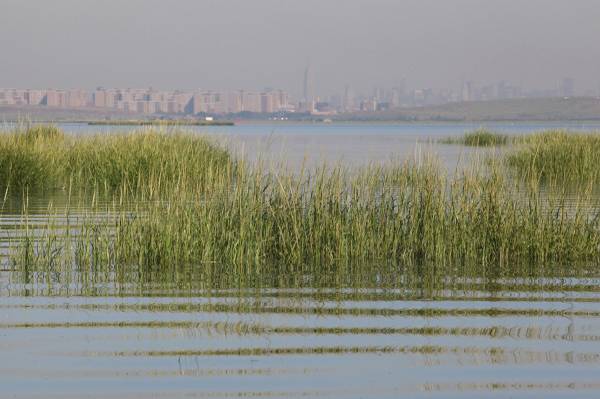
183 102
395 101
77 98
324 107
246 101
566 89
269 102
210 103
35 97
252 102
55 98
282 100
468 91
349 98
236 102
12 97
368 105
306 106
309 90
153 101
98 98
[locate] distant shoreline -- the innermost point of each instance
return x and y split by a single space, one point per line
160 123
519 110
268 122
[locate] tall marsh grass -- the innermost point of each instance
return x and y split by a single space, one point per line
481 137
558 154
403 213
150 160
272 221
210 210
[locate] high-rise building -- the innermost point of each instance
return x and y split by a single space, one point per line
183 102
35 97
98 97
566 89
252 102
77 98
55 98
236 102
7 97
210 103
269 102
349 98
220 102
246 101
502 91
468 91
395 101
309 90
152 101
282 99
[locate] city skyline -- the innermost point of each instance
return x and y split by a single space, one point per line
152 101
231 45
468 90
271 101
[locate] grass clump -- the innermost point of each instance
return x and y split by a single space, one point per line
31 157
42 158
558 154
479 138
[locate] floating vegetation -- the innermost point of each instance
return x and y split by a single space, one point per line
481 137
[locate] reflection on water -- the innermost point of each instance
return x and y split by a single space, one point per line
375 330
299 335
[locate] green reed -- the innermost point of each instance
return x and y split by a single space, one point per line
558 154
178 202
340 220
481 137
147 161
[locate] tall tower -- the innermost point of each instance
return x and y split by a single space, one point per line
309 90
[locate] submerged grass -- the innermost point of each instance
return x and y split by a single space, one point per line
558 154
481 137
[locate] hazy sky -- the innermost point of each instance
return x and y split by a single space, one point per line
252 44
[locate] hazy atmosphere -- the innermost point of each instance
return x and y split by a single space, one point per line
249 45
300 199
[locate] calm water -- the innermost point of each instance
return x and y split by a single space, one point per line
353 143
383 331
